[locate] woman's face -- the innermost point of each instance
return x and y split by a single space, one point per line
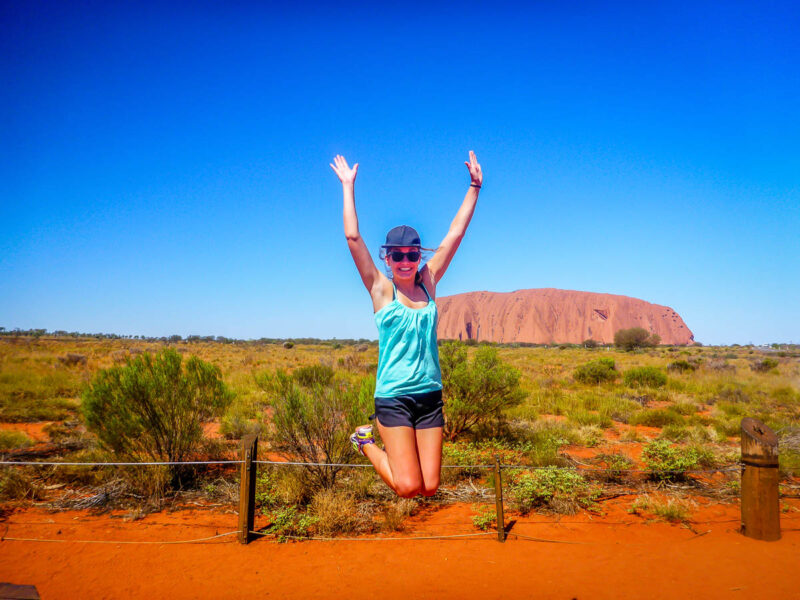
403 269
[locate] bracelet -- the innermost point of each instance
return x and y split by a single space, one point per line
474 185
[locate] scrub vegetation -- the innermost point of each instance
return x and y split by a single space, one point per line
578 423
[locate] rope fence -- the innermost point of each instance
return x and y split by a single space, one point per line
731 467
758 467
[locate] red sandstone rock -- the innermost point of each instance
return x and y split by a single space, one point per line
545 316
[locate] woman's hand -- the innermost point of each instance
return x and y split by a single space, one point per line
345 174
475 172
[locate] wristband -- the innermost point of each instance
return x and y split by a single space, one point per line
474 185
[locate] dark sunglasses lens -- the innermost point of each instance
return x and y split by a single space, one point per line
397 256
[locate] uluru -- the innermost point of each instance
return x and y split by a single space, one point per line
547 315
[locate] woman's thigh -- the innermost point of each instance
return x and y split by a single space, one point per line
400 445
429 449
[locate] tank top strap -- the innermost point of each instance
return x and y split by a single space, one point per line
424 289
394 291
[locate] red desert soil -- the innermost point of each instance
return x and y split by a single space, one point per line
544 316
616 556
35 431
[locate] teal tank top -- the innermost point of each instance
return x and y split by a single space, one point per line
408 356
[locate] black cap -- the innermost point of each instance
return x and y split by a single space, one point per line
402 236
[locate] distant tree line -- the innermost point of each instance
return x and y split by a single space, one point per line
172 339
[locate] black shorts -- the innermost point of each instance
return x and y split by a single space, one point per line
420 411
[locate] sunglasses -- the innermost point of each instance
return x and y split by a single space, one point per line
397 256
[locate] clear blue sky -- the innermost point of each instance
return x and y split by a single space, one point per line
164 168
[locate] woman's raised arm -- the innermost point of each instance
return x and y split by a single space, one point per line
439 262
358 249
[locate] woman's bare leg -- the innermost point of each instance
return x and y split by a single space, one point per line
399 464
429 448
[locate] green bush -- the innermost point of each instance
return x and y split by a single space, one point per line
153 407
312 375
616 464
645 377
590 343
478 391
681 366
597 371
288 524
764 365
559 489
666 461
314 424
485 518
656 417
635 337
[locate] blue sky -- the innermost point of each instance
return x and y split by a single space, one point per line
164 168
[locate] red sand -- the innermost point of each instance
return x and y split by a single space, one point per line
616 556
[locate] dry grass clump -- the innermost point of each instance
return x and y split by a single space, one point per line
674 510
14 440
19 483
396 513
339 513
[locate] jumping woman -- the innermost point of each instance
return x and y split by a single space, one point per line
408 390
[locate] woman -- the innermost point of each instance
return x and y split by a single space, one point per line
408 392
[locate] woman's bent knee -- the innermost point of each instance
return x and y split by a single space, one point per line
407 489
429 491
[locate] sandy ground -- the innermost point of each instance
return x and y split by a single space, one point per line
615 556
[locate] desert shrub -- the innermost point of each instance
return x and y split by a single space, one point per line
631 436
12 440
731 394
681 366
242 417
397 512
338 512
675 432
590 343
311 375
559 489
16 483
718 365
684 408
288 345
644 377
596 371
314 424
72 359
485 518
616 466
635 337
763 365
672 510
154 407
587 417
288 523
589 435
267 490
476 391
61 432
666 461
656 417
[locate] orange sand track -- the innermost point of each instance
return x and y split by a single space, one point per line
615 556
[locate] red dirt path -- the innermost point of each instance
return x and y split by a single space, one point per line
616 556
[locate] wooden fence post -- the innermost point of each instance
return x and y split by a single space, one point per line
760 505
498 495
247 488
